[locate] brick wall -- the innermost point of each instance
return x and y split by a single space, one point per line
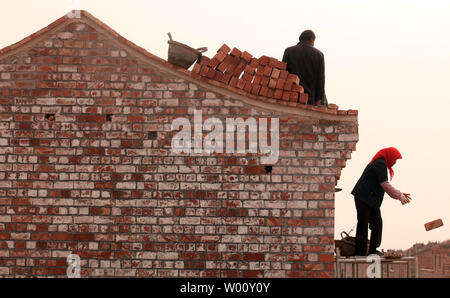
86 168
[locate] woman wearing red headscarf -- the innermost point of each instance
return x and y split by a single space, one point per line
369 192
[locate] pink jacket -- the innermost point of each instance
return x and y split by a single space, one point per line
391 191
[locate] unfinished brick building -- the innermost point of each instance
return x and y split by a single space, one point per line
433 259
86 167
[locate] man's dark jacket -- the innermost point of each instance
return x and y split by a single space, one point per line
368 188
309 64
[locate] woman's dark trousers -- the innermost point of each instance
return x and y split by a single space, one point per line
368 217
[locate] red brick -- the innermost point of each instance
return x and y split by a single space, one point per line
286 95
88 36
137 118
232 66
250 70
248 86
272 83
226 62
267 71
254 62
284 74
46 85
434 225
288 86
275 73
197 68
204 71
241 83
302 222
264 60
45 168
295 274
274 221
91 118
313 213
234 82
278 93
84 237
265 81
255 89
220 56
254 256
99 211
257 80
335 107
62 236
298 88
264 91
294 79
213 63
247 77
226 78
303 98
211 73
253 273
246 56
236 53
294 97
225 49
239 68
281 65
221 67
218 76
46 68
94 151
179 212
280 84
260 70
273 62
313 248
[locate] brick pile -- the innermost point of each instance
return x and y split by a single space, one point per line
265 76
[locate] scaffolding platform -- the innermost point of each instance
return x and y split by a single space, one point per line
342 264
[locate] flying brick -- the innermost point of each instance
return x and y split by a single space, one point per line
434 224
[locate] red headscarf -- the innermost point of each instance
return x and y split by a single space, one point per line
390 156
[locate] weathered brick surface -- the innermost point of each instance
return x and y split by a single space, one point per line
86 167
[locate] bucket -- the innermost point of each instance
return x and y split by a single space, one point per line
183 55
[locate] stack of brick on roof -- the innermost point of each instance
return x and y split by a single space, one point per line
265 76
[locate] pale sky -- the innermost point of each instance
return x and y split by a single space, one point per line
388 59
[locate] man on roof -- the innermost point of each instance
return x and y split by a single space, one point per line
308 63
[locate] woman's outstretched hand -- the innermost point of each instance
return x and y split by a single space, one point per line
405 198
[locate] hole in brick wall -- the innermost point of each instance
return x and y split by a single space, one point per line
50 117
269 169
41 245
153 135
109 117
